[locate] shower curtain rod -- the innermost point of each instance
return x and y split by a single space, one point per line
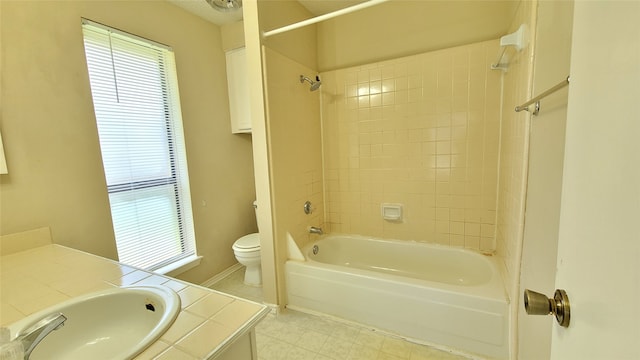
537 99
324 17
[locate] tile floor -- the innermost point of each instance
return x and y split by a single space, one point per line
234 285
300 336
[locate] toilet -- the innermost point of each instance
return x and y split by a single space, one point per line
247 252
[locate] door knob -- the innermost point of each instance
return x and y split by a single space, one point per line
538 304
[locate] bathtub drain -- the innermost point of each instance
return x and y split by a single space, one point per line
315 249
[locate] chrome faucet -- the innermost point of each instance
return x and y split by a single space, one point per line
32 336
315 230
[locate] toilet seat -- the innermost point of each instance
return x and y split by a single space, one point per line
247 243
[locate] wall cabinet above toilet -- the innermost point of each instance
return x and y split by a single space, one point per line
238 86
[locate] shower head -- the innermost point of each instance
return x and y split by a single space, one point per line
315 85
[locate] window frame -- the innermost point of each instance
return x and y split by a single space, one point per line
178 175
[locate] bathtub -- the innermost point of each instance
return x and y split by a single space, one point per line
426 293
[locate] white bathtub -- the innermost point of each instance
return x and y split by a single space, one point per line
428 293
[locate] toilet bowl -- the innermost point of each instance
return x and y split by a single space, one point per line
247 252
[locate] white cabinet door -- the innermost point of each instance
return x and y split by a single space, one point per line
238 85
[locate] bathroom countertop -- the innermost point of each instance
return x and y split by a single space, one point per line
41 277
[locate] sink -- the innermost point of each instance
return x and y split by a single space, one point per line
117 323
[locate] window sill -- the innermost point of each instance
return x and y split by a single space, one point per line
181 266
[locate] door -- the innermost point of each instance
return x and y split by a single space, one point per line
552 54
599 234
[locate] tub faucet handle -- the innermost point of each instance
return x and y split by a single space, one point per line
315 230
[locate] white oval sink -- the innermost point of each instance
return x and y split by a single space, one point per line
117 323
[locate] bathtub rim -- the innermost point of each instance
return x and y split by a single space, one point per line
495 289
393 241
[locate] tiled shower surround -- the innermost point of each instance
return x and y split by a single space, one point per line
422 131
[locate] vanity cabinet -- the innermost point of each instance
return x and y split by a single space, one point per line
243 348
238 85
222 328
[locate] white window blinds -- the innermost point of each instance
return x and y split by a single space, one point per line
136 102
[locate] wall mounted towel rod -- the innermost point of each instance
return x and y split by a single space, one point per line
536 99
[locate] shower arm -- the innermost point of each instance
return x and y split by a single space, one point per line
315 85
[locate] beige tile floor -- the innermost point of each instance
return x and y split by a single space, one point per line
234 285
293 335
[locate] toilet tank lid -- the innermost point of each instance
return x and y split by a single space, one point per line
248 241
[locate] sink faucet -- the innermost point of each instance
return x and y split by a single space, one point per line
32 336
315 230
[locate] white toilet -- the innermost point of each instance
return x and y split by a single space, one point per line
247 252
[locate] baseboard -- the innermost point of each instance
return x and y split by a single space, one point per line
220 276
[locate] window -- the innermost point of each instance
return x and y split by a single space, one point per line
137 107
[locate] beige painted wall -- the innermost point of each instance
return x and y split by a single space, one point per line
298 45
295 49
251 27
422 131
406 27
232 35
295 148
56 177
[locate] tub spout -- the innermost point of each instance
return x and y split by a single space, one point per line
33 335
315 230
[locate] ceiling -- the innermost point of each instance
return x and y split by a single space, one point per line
205 11
316 7
321 7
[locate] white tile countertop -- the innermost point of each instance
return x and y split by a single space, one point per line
208 323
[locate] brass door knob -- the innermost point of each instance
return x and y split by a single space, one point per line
538 304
